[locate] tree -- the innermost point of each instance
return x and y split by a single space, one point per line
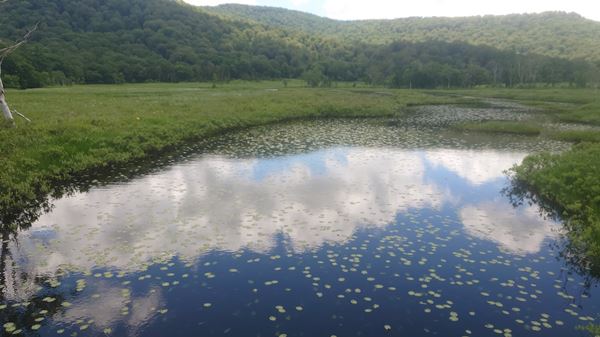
314 77
4 53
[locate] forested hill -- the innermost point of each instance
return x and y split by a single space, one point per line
116 41
556 34
111 41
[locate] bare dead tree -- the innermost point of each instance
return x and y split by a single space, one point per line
4 53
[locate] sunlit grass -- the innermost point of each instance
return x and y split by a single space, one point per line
81 128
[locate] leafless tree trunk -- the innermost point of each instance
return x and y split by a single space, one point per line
4 53
3 104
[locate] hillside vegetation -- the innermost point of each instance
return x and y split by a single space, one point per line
134 41
556 34
97 41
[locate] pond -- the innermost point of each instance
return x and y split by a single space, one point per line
314 228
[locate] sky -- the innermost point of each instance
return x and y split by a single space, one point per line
389 9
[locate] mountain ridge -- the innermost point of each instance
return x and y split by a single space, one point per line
227 6
117 41
557 34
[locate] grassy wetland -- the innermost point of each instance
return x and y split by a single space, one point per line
234 170
566 183
80 128
177 213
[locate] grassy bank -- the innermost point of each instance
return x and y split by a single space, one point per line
577 136
566 184
81 129
77 129
570 105
570 183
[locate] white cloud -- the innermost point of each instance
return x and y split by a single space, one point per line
299 3
224 204
519 231
217 2
354 9
477 167
182 212
385 9
106 309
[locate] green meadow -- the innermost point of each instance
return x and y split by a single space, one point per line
79 129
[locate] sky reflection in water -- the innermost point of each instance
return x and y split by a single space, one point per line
341 240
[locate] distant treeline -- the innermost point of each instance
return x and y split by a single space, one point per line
117 41
439 64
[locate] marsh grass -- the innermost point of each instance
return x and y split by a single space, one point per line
570 181
566 104
576 136
587 114
81 128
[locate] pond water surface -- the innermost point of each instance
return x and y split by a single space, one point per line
324 228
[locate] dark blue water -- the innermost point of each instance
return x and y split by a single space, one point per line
307 229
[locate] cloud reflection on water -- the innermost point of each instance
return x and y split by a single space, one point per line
220 203
518 231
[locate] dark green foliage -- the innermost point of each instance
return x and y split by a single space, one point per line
95 41
570 182
314 77
444 65
555 34
117 41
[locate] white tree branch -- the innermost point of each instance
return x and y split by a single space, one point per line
20 114
5 52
